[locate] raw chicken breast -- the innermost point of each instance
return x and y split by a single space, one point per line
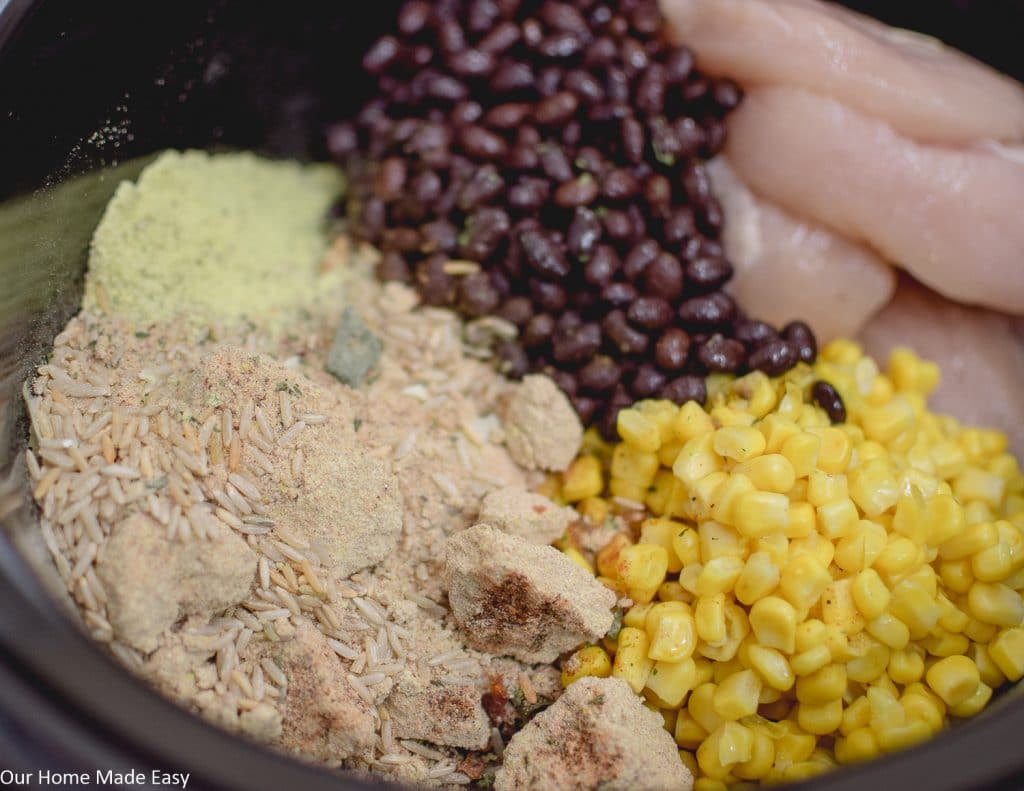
920 87
981 353
952 217
787 268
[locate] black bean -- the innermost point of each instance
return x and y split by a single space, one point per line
512 77
405 240
696 183
485 230
678 65
672 350
439 86
528 194
392 266
608 421
650 91
634 56
561 45
480 143
390 179
342 141
449 35
639 258
586 407
513 360
426 187
501 282
550 297
774 357
554 162
679 226
568 320
599 375
544 256
532 32
802 337
650 313
584 233
381 55
664 278
686 388
485 185
726 94
471 63
617 85
714 139
657 191
436 286
518 310
507 116
633 140
646 18
622 336
585 85
501 38
537 331
708 274
579 191
523 158
695 89
710 216
618 295
754 333
826 396
438 236
564 379
617 224
549 80
602 266
619 184
413 17
721 354
690 134
601 52
477 295
576 344
428 137
707 312
482 14
564 17
590 160
647 382
556 109
572 133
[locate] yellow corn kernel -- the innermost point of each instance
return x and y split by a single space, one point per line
898 557
884 423
974 539
736 628
951 617
636 616
762 756
668 452
760 576
773 621
993 564
689 760
591 660
945 644
802 451
731 415
842 351
974 704
631 662
838 608
691 421
673 591
856 715
980 485
701 707
688 577
671 682
710 618
873 487
886 711
662 413
583 479
777 429
861 547
954 679
577 557
661 531
810 660
672 632
900 737
772 472
810 633
633 466
710 784
823 487
727 495
976 512
820 718
889 630
659 493
718 540
593 509
697 459
608 555
686 545
740 443
719 575
1007 652
946 519
990 672
871 662
919 703
803 581
905 666
957 575
979 632
910 518
836 449
857 746
759 513
794 746
642 568
702 494
913 605
843 647
689 733
802 520
737 696
638 430
837 519
870 595
995 603
723 748
776 546
822 686
772 667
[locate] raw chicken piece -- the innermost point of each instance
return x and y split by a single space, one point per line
951 217
981 353
787 268
920 87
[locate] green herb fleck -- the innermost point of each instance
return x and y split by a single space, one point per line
597 700
487 780
357 423
613 632
141 334
288 387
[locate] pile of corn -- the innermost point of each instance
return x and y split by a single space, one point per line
808 594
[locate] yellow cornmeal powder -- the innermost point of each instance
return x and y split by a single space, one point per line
213 238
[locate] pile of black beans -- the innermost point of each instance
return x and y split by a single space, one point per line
542 161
